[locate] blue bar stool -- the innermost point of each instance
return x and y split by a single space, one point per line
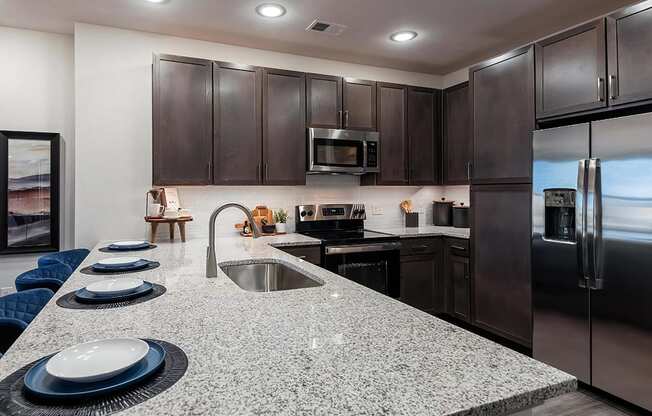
48 277
71 258
17 310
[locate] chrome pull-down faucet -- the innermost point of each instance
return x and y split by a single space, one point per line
211 262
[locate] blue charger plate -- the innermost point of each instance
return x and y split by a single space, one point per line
42 385
140 264
85 296
127 248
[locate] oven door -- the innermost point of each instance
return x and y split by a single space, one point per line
376 266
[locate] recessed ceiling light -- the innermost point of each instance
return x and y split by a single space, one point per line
270 10
156 1
403 36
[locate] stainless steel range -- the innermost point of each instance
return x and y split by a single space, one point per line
369 258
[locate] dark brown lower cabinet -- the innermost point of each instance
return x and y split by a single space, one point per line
311 254
422 274
500 246
458 279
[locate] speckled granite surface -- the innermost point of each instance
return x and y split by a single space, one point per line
338 349
425 231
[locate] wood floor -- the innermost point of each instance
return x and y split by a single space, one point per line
583 403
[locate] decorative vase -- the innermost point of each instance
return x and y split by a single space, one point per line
281 227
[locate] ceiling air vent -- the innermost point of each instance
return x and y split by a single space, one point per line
328 28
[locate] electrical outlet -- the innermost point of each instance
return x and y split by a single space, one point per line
376 210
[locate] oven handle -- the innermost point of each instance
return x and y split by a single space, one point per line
361 248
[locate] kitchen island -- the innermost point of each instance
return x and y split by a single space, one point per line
335 349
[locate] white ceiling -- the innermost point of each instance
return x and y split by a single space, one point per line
452 33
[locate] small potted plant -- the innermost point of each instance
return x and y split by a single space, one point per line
281 218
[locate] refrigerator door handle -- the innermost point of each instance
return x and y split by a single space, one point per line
580 224
595 193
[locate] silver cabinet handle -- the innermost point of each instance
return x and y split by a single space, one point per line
340 120
458 248
600 89
346 119
468 171
595 193
258 174
580 224
613 87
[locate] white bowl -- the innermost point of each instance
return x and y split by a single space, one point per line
128 243
96 360
118 261
115 286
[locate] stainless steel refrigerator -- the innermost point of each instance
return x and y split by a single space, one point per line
592 253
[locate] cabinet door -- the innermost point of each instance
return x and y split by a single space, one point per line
324 101
424 138
501 260
629 40
421 282
392 110
460 275
359 99
284 127
181 109
571 71
502 94
458 140
237 120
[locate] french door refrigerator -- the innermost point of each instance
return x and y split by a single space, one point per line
592 253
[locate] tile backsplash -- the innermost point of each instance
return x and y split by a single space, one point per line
382 203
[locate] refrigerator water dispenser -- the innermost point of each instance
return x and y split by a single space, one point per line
560 214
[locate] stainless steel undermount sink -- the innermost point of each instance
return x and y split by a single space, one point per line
268 277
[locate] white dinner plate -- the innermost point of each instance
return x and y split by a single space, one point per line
96 360
119 261
115 286
129 243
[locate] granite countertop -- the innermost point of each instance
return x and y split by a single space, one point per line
336 349
425 231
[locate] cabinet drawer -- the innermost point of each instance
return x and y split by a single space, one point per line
311 254
418 246
458 247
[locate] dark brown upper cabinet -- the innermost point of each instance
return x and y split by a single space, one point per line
359 104
629 50
284 127
424 109
237 119
181 110
457 136
324 101
571 71
393 130
500 243
502 99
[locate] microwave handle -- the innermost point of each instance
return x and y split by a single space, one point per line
364 154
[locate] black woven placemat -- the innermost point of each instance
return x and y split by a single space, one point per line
14 402
90 270
108 250
69 300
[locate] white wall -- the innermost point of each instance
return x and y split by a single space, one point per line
114 134
37 94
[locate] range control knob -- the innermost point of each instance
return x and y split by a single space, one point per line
310 213
302 213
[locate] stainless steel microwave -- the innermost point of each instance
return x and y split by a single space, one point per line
343 151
